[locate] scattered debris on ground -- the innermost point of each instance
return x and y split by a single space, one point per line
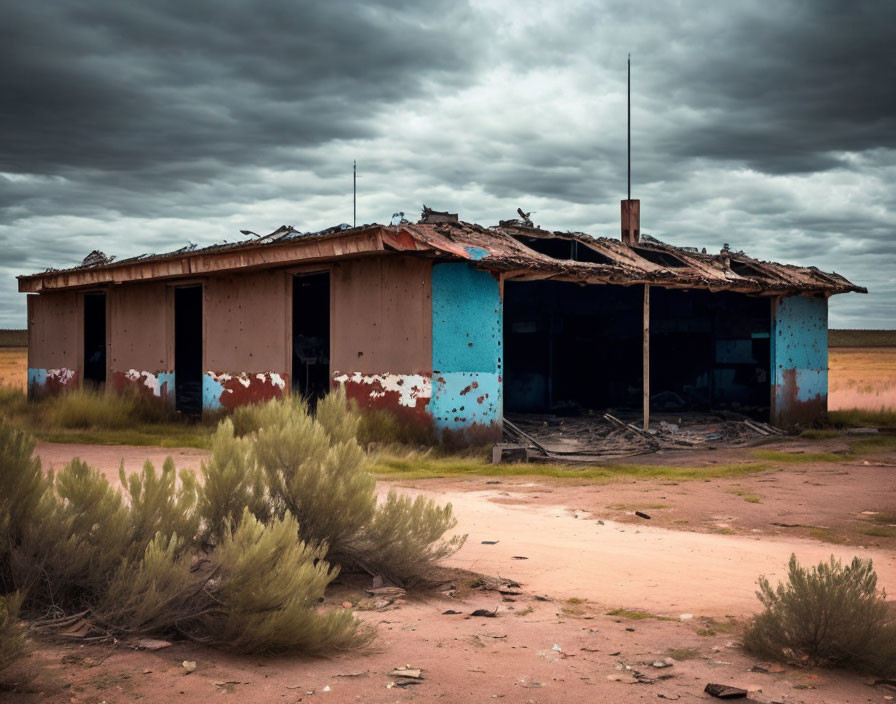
724 691
590 437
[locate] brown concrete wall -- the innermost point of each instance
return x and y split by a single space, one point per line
141 340
140 328
382 316
54 341
381 346
54 330
247 323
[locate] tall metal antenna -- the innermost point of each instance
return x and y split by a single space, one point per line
354 193
629 126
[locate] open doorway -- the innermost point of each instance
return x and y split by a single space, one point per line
710 351
311 335
574 349
571 348
95 339
188 349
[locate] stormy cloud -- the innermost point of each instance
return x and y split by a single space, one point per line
142 127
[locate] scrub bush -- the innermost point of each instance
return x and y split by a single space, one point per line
133 562
311 467
104 410
826 615
404 538
267 594
12 643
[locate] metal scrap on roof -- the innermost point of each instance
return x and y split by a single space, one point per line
518 249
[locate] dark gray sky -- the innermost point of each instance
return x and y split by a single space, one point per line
135 127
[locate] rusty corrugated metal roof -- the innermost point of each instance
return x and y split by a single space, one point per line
517 249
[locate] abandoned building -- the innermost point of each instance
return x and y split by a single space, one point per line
448 324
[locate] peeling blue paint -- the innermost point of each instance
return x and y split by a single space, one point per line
42 381
476 253
37 377
799 361
167 378
462 399
211 392
467 339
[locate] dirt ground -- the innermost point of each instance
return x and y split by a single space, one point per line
689 570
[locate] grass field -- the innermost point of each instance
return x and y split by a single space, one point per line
862 338
13 366
862 377
13 338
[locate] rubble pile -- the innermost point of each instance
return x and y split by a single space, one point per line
587 438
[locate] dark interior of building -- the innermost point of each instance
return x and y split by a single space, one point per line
188 349
573 348
311 335
95 339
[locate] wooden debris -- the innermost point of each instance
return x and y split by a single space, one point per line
410 672
724 691
587 438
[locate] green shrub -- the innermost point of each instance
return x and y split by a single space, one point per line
13 401
231 482
12 642
108 410
311 467
405 537
827 615
383 427
134 562
267 595
239 560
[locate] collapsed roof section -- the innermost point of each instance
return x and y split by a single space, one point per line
518 249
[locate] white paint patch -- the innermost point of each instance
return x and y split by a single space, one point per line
245 379
409 387
61 376
149 380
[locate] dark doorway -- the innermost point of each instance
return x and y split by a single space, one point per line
572 349
709 351
311 335
95 339
188 350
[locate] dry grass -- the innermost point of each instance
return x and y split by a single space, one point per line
633 615
417 465
862 338
14 367
862 378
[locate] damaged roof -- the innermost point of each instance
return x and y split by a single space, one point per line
518 249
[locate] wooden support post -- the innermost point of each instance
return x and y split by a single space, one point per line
646 356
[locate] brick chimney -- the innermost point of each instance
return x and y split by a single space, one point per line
631 221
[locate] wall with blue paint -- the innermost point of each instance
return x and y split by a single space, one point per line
212 390
467 340
799 361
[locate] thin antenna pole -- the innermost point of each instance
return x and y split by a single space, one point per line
354 193
629 126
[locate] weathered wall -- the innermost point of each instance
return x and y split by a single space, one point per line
141 339
467 339
54 341
381 342
246 347
799 361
